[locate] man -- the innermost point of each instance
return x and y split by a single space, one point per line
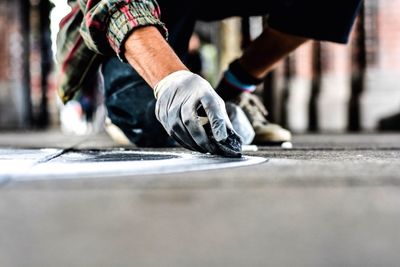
141 45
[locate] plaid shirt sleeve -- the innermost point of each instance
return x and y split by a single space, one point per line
93 29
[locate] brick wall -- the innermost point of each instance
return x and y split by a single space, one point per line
381 95
12 88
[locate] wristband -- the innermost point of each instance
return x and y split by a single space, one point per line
231 79
243 76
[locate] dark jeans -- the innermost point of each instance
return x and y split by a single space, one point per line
129 99
130 105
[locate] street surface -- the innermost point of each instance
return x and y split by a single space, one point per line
332 200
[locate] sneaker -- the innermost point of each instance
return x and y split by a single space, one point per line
265 132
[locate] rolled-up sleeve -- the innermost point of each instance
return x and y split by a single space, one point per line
107 23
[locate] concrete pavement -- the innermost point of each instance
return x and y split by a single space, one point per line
332 200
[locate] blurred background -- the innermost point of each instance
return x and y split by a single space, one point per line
322 87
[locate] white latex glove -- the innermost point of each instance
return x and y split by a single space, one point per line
180 96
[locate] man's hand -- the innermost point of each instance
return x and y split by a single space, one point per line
181 94
180 97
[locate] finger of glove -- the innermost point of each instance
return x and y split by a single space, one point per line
183 144
184 137
169 114
195 128
217 116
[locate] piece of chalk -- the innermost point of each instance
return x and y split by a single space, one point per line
287 145
249 148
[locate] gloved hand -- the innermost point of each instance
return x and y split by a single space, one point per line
180 96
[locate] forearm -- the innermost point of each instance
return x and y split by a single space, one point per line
269 48
147 51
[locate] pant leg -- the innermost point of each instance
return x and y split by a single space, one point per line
130 105
319 20
314 19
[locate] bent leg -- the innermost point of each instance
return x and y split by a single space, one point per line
130 105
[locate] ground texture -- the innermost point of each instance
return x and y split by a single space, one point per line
332 200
